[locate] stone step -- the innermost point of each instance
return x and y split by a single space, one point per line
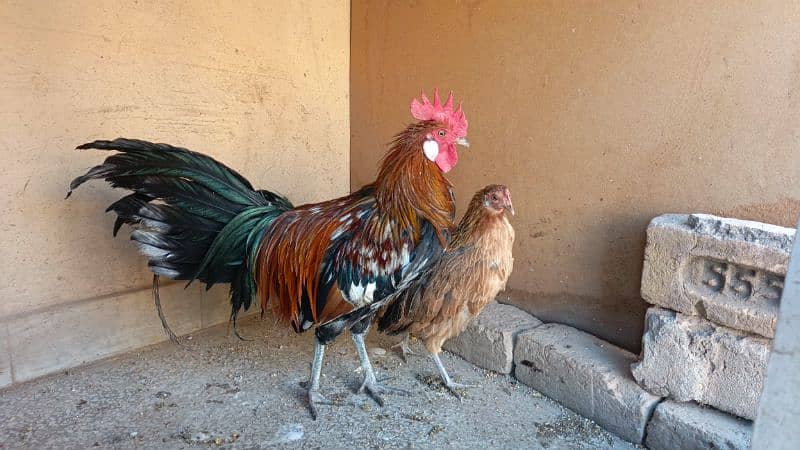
488 340
689 426
587 375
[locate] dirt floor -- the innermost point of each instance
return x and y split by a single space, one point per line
223 392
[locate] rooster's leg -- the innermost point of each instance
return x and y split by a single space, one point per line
370 384
448 382
314 397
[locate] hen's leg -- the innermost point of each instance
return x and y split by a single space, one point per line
405 347
448 382
314 397
370 384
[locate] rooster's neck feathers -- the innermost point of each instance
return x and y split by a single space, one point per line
410 187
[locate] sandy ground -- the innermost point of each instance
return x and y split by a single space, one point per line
223 392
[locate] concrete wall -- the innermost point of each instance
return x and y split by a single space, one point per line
599 116
779 405
260 85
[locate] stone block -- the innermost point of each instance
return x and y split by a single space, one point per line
729 271
689 358
488 340
689 426
586 374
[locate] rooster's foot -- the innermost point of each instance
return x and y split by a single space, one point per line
376 390
314 399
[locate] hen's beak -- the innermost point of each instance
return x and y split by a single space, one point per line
462 141
509 207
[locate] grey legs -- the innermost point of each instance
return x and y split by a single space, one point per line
314 397
448 382
370 384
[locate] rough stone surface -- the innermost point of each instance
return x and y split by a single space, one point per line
224 393
729 271
777 423
689 358
585 374
689 426
488 341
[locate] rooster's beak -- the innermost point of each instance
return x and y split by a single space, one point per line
462 141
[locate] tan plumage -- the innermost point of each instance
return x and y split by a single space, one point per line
472 272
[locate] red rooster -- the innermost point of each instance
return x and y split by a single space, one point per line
329 265
443 299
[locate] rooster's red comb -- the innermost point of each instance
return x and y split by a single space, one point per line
423 109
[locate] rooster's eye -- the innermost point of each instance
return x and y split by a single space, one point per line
442 133
494 196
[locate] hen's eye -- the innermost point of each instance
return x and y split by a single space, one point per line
442 133
494 196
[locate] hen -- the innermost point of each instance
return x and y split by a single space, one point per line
473 270
328 265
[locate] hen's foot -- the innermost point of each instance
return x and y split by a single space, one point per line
457 389
404 348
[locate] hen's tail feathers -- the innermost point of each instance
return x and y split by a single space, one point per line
193 217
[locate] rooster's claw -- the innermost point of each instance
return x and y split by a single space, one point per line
375 390
314 399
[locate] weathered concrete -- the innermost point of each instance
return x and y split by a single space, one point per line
488 341
59 338
689 358
689 426
248 84
777 423
585 374
224 390
729 271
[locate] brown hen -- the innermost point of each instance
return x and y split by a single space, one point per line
468 276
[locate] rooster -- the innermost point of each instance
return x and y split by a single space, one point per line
329 265
473 270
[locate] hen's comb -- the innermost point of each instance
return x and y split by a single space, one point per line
423 109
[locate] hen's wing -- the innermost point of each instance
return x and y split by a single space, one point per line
437 291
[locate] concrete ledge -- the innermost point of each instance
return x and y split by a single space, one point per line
488 341
688 358
97 328
689 426
586 374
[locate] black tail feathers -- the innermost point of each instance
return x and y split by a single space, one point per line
193 217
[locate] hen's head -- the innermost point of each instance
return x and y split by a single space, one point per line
497 199
448 128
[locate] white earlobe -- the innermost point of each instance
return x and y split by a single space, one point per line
431 149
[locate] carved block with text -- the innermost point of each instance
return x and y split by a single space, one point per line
727 270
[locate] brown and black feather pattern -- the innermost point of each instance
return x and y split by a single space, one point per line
469 275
